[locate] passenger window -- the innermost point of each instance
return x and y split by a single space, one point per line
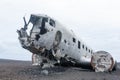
89 50
79 44
83 46
65 41
74 40
52 22
86 48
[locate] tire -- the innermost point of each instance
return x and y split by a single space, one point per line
102 61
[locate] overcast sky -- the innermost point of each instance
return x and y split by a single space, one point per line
96 22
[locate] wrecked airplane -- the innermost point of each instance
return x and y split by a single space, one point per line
51 43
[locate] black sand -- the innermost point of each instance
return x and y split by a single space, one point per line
23 70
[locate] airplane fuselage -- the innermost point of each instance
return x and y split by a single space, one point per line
51 42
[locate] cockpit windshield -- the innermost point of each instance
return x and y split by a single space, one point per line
39 25
34 19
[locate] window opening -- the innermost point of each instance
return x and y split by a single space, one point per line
52 22
89 50
83 46
65 41
74 40
79 44
86 48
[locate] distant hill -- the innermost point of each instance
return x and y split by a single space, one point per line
11 60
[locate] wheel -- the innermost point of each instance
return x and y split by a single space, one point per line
102 61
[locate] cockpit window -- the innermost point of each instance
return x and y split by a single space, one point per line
43 29
52 22
34 19
45 19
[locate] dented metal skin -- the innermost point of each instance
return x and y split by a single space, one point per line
52 43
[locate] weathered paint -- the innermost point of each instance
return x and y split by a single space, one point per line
51 42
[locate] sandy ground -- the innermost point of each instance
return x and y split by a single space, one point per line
23 70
